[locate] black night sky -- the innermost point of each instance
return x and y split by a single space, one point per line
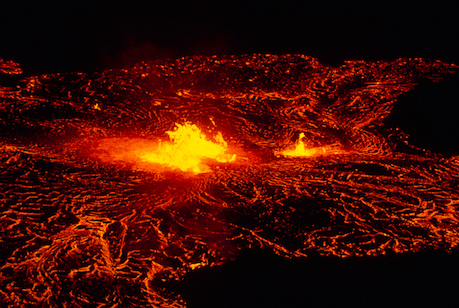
56 36
88 36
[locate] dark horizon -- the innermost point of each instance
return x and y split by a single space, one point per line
86 36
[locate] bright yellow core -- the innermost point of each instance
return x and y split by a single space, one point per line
187 148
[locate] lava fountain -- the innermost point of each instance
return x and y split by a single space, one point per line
116 182
185 151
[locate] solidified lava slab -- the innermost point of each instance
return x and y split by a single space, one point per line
85 221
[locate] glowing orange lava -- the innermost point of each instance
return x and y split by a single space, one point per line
186 150
97 209
301 149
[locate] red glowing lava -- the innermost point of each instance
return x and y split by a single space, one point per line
115 182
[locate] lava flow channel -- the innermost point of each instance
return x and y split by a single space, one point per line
113 183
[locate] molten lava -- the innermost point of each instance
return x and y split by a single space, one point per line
187 149
302 150
97 210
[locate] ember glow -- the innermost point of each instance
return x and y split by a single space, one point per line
116 182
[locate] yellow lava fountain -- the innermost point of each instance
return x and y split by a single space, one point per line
186 150
188 146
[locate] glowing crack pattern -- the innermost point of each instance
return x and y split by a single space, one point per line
79 227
